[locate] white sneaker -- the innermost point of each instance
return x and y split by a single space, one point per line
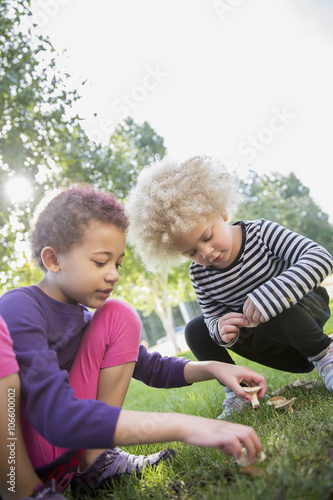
233 404
324 366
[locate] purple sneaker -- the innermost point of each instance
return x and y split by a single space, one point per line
46 490
110 466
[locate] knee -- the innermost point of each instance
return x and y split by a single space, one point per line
121 311
195 329
118 316
118 306
188 331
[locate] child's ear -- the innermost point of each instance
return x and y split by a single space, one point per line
50 259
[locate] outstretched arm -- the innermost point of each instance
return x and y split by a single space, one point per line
230 375
140 428
169 372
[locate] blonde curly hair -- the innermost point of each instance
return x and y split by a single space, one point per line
169 199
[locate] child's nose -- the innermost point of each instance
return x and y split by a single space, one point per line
206 251
112 276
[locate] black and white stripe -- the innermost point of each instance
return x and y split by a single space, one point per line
275 269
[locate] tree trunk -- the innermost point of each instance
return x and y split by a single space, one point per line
163 307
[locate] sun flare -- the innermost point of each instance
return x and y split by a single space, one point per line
18 189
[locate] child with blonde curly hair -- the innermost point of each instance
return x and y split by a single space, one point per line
258 283
75 365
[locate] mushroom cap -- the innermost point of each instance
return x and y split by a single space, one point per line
252 390
275 400
285 404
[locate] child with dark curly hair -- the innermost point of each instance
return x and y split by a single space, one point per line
258 283
76 366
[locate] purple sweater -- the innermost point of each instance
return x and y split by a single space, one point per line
46 335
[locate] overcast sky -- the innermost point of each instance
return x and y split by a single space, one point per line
249 81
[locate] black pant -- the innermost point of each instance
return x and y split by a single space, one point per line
284 342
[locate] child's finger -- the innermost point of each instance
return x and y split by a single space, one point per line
236 321
232 316
228 337
253 447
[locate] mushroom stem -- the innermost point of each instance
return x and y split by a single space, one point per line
253 393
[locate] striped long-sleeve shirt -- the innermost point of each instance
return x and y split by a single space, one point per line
275 268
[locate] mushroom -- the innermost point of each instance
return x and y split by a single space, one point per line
244 461
275 400
286 405
253 392
307 384
251 324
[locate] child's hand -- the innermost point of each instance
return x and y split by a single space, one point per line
229 325
233 375
227 436
252 314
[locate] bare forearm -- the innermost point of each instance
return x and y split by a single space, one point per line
143 428
230 375
199 371
136 427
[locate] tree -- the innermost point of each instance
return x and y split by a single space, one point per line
284 199
39 136
158 292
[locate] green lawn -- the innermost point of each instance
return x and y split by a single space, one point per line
298 447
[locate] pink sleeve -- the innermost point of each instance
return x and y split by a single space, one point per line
8 363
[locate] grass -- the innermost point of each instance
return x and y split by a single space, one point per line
298 447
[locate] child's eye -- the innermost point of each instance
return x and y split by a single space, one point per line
208 238
99 264
118 266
